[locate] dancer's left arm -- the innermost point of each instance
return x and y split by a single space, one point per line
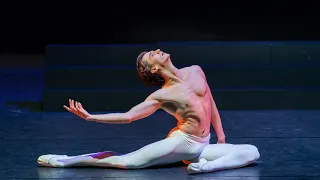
215 119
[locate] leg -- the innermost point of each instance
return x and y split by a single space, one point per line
169 150
52 160
224 156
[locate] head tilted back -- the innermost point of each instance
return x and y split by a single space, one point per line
145 74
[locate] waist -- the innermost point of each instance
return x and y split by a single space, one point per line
190 136
196 138
194 128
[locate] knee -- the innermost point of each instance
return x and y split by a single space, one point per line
253 151
249 152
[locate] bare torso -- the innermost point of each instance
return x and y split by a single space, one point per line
189 102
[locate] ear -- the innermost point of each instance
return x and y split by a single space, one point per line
154 69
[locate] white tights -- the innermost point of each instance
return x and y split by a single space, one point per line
178 146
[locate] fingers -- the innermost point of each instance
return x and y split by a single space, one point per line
67 108
80 105
71 102
74 106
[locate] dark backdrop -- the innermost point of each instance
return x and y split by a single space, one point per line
28 27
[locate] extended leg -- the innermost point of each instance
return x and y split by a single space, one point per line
169 150
224 156
52 160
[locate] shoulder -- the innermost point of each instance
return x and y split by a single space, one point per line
197 69
192 68
163 94
156 95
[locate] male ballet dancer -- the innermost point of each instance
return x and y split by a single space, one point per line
185 94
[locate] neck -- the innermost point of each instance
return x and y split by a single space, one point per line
172 76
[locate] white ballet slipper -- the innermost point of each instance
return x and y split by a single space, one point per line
195 168
51 160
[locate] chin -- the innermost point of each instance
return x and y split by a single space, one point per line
168 63
168 59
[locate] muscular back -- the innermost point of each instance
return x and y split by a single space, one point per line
189 102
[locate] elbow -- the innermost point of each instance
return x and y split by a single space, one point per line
128 118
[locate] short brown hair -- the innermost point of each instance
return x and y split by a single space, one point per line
145 74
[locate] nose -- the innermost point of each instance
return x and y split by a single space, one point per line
157 51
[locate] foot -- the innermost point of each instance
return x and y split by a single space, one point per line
51 160
195 168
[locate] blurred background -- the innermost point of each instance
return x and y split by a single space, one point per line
262 53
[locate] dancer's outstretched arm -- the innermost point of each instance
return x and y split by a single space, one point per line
142 110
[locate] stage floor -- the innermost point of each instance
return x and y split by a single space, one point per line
288 141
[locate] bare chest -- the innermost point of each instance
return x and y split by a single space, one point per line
196 83
186 96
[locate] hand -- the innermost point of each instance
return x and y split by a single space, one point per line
77 109
221 141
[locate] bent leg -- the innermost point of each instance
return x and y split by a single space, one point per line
224 156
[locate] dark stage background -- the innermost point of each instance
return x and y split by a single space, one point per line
266 55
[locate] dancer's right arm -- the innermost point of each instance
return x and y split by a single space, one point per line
142 110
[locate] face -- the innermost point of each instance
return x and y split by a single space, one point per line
157 57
